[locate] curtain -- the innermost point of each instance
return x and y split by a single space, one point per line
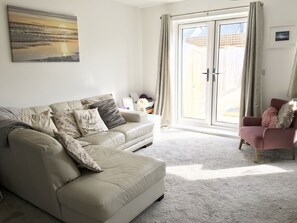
163 89
292 92
251 95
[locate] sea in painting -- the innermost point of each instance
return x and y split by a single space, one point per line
38 36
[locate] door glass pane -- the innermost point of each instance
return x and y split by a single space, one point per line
194 63
232 38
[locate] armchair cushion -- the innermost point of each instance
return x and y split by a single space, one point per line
285 115
269 117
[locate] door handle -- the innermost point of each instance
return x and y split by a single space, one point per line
214 73
207 74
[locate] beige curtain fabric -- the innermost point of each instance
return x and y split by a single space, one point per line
292 92
163 90
251 95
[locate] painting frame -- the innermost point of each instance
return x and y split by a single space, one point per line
282 36
42 36
128 103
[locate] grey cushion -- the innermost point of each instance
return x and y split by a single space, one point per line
109 113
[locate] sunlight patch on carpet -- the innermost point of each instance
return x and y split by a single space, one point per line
196 172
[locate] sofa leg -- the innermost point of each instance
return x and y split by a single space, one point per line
160 198
293 153
240 143
256 156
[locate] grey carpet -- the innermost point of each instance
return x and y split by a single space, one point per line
208 180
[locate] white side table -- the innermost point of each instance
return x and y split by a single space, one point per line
156 119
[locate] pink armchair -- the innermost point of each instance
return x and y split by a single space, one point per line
262 138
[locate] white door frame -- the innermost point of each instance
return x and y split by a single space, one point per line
212 22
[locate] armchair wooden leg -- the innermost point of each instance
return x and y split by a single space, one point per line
240 143
293 153
256 156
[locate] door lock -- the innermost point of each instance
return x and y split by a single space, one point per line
207 74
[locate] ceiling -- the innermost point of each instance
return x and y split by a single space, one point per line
146 3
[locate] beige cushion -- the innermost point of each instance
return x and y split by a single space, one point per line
107 139
285 115
41 122
40 109
34 110
89 122
134 130
65 122
75 150
126 175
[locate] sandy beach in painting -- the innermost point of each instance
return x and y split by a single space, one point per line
42 37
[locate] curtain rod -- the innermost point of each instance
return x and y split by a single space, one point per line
212 10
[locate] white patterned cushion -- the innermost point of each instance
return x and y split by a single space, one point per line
286 115
89 122
65 122
75 150
41 122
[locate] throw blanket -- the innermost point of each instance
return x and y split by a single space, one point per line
8 122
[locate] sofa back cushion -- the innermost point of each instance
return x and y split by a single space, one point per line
67 106
91 100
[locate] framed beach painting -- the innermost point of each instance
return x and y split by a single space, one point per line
38 36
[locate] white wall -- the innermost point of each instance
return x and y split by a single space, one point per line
110 56
276 62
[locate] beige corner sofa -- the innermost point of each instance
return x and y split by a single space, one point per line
36 167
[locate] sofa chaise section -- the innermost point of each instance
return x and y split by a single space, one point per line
125 178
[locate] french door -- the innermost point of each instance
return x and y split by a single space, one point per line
210 56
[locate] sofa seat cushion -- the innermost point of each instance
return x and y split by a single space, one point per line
100 195
107 139
134 130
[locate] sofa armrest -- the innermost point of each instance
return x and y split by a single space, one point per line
37 166
43 153
251 121
279 138
133 116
